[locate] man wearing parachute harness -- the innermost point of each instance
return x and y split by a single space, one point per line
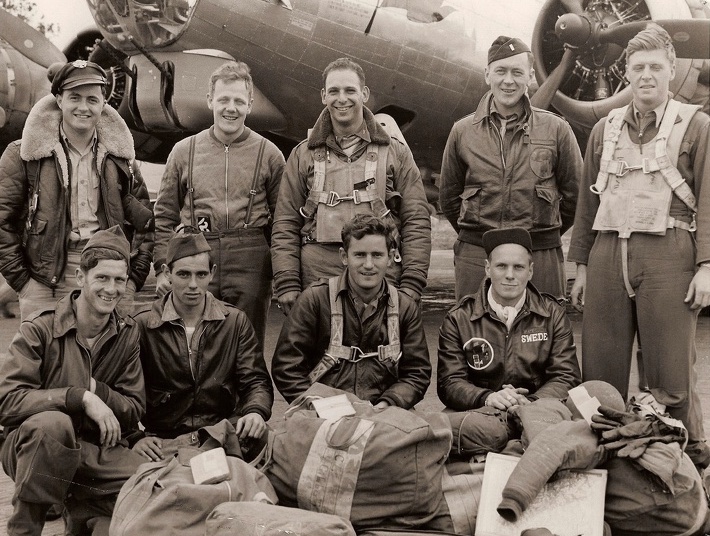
641 238
356 331
348 165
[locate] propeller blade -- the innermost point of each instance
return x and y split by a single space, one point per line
573 6
691 37
546 92
28 41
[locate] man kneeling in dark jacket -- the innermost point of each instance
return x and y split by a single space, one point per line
356 331
508 344
201 359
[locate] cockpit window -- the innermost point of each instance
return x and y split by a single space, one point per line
152 23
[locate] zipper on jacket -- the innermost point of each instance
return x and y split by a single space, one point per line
226 182
62 221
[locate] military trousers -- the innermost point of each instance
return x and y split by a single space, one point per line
50 465
660 269
244 274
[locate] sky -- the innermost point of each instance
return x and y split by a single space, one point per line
71 15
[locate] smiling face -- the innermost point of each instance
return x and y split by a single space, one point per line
650 73
81 109
345 98
102 286
509 78
367 260
230 104
510 268
189 278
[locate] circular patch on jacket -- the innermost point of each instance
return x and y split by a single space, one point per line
478 352
541 161
319 155
371 156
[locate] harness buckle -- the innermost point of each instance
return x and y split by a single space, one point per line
356 197
624 168
333 199
357 355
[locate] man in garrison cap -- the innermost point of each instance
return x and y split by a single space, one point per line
69 388
508 344
202 359
510 165
70 175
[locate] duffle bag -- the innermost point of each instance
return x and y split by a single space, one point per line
378 468
161 498
261 519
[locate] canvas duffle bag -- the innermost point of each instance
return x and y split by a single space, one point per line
261 519
375 468
161 498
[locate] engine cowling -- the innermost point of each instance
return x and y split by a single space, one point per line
597 84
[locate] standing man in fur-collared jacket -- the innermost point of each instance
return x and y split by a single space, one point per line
69 176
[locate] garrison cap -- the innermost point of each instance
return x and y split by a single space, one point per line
112 238
504 47
74 74
183 245
510 235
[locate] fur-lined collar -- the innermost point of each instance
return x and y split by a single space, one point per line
324 128
41 132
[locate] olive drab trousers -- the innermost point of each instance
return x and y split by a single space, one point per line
660 270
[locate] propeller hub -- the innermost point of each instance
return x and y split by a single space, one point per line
574 30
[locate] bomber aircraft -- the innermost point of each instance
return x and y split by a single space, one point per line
424 60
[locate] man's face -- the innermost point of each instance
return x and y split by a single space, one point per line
650 74
190 277
367 260
103 285
510 269
345 98
81 108
509 78
230 105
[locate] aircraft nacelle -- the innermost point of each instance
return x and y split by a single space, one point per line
168 93
22 83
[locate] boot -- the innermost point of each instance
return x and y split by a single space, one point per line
27 518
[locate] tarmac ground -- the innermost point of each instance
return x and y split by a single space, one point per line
438 298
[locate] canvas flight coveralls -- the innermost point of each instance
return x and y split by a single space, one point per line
641 266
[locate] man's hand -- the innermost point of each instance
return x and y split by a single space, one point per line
162 285
699 290
287 300
507 397
251 425
151 447
576 295
102 415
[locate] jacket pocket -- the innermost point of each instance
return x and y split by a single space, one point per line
470 211
547 207
35 241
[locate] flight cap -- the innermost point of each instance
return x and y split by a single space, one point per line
504 47
183 245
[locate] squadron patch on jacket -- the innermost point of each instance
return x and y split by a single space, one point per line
541 162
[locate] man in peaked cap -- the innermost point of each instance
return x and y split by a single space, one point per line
510 165
193 343
71 385
508 344
70 175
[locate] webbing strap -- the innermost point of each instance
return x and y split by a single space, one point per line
329 475
670 172
254 181
625 266
190 189
375 196
661 163
336 351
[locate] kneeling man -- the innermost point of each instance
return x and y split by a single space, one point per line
356 331
71 385
201 358
507 344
